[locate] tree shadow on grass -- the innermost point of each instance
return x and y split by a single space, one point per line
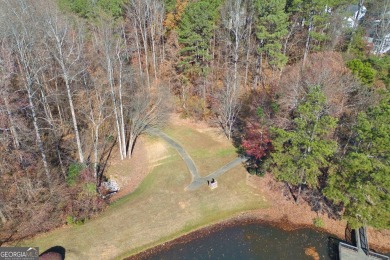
105 156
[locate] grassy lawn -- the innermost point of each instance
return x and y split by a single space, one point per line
160 209
208 153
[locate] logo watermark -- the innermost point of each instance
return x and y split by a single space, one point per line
19 253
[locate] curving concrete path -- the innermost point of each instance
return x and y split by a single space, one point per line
196 183
197 180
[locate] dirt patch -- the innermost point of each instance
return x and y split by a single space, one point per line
129 173
156 152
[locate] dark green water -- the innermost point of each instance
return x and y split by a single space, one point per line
252 241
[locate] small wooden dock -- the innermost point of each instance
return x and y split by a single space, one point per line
361 251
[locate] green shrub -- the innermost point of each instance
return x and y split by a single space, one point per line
318 222
275 107
358 45
260 112
362 70
89 189
74 172
70 220
110 138
382 66
80 221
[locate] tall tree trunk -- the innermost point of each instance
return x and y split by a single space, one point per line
161 38
138 49
248 55
236 47
60 160
122 122
307 44
44 92
258 70
131 144
117 117
66 52
37 133
152 35
74 119
300 186
145 43
46 107
2 217
14 133
299 194
110 66
95 153
58 105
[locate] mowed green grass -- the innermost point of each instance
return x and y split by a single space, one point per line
160 209
208 154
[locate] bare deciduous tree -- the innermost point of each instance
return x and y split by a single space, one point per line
6 71
99 112
228 104
146 111
65 46
147 20
111 45
25 40
234 16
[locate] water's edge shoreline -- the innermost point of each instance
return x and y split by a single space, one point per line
243 219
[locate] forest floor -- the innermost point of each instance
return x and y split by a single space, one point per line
153 206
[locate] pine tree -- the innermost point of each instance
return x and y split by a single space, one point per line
272 23
195 32
362 182
303 151
314 15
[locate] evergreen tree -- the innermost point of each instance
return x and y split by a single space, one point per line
195 33
314 15
272 23
303 151
362 70
362 182
89 8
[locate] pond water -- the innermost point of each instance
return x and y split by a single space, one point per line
254 241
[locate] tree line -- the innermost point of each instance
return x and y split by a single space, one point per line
72 93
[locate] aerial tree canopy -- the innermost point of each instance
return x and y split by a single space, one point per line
86 8
271 27
303 151
195 32
362 182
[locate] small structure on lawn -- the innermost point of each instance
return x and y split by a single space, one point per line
361 251
213 184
